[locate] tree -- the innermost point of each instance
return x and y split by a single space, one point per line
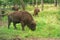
33 3
42 3
23 5
58 2
55 3
37 3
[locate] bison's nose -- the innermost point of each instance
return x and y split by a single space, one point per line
33 29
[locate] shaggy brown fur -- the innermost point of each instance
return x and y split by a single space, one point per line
22 17
36 10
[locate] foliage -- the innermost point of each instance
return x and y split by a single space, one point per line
26 1
1 2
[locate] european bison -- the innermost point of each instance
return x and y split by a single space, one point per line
22 17
15 8
2 12
36 10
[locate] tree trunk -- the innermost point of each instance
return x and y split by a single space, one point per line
55 3
58 2
33 3
37 3
42 3
23 5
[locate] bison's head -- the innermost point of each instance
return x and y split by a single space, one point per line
32 26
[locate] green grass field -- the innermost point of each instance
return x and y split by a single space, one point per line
48 25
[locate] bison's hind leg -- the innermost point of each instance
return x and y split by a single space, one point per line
14 24
9 22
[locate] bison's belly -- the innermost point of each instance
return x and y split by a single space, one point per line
15 20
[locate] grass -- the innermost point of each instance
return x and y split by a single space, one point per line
48 25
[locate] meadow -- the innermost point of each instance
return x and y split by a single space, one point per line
48 25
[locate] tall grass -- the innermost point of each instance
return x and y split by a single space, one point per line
48 25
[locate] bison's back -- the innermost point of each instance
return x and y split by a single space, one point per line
14 17
26 16
18 16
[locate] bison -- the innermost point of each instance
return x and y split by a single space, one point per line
22 17
15 8
36 10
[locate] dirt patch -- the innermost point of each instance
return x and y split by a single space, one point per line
42 39
0 23
3 23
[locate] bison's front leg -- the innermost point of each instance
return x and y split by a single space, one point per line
23 25
14 24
